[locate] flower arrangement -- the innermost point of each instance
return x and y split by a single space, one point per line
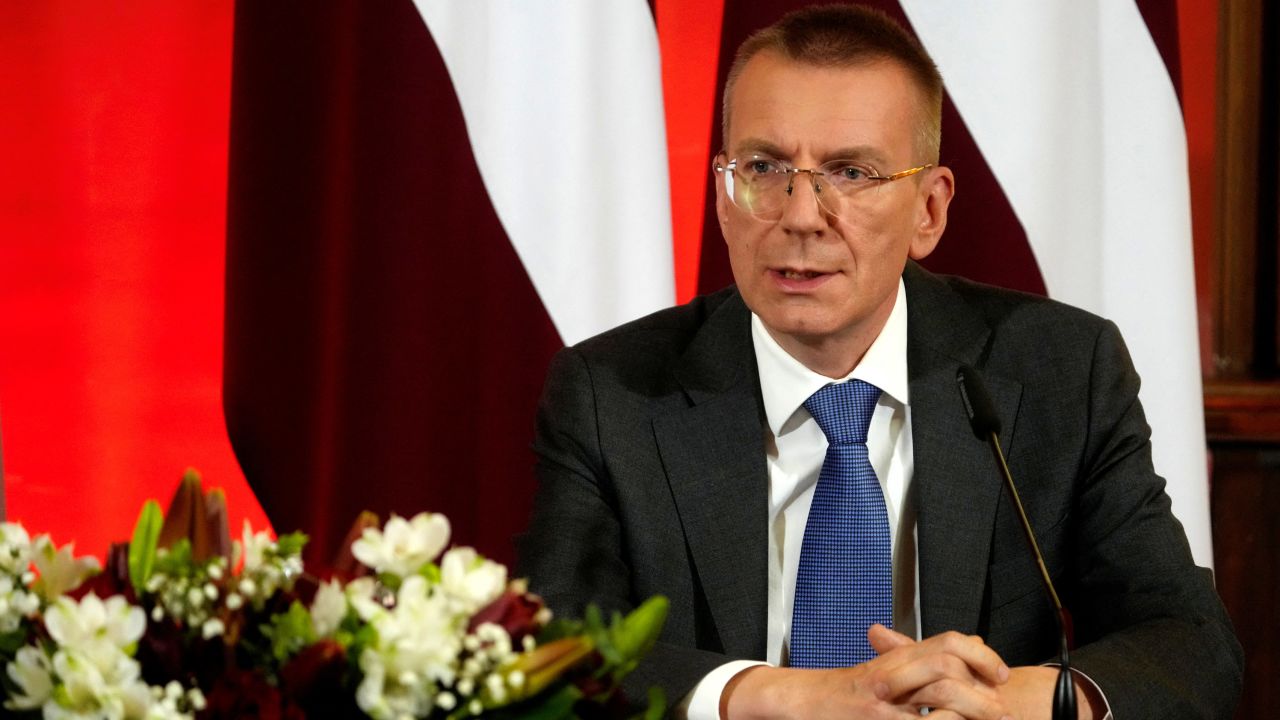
184 623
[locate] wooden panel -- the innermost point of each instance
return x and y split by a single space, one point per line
1241 393
1269 178
1245 505
1239 73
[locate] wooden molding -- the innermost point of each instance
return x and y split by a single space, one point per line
1242 411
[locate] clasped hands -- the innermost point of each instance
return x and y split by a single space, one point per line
956 676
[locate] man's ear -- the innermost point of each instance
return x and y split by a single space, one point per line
936 192
722 203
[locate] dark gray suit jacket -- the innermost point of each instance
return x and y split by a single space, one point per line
653 480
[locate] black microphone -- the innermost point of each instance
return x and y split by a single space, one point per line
986 425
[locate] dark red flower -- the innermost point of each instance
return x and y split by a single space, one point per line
114 578
241 694
316 679
515 612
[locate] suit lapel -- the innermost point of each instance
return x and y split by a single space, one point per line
956 485
713 454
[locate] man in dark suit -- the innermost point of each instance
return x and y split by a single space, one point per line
678 454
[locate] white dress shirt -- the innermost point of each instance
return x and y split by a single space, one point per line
795 448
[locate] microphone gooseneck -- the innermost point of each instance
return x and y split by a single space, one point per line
986 426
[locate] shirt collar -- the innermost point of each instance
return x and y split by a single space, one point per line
785 383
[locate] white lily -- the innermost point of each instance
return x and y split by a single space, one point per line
328 608
31 672
252 547
403 546
15 549
81 625
16 603
471 581
60 570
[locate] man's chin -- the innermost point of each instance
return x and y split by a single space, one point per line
805 329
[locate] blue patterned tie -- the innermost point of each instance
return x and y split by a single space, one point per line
845 579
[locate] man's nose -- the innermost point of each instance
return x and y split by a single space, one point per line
803 210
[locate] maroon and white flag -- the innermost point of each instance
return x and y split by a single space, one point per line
1076 113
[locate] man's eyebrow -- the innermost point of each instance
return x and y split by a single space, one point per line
862 153
762 146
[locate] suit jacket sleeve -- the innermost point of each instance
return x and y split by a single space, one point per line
1149 627
573 552
1154 633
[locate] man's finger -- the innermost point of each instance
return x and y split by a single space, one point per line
884 639
973 701
982 660
904 682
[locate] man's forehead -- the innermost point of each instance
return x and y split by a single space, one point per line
784 150
783 107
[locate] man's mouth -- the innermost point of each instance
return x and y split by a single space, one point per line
799 274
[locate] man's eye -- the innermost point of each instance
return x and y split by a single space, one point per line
849 172
761 167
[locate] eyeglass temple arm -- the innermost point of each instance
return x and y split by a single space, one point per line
900 175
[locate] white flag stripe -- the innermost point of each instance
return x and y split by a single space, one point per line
563 105
1075 112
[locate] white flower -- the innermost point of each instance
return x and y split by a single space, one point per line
369 695
471 581
30 672
252 547
424 634
403 546
381 697
15 549
60 571
16 602
92 622
83 683
328 608
99 680
213 627
419 640
362 594
99 687
496 640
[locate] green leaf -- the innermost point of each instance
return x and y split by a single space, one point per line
289 632
635 635
431 572
556 706
364 636
657 704
11 642
291 544
593 621
558 628
606 642
176 560
142 548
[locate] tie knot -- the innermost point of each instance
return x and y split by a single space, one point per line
843 410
